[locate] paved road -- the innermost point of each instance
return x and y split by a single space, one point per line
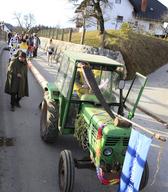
154 101
31 165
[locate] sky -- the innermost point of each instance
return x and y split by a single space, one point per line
165 2
49 13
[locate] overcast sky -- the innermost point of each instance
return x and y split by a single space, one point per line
165 2
49 12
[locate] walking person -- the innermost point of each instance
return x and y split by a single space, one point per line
13 45
9 36
30 46
17 81
24 46
36 43
50 51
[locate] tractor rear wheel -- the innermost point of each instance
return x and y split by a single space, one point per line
66 171
49 121
145 177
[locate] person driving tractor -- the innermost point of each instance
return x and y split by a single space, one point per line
81 85
104 80
82 88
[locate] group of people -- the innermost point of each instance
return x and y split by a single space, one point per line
16 85
29 43
21 48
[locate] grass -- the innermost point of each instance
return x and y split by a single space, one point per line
141 53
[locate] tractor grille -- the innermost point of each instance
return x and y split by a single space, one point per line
111 141
125 141
94 134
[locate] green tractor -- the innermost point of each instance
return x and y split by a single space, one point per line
83 101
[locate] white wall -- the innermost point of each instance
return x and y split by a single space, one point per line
124 9
111 12
6 29
144 26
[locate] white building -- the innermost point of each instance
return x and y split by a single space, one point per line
5 27
147 17
149 20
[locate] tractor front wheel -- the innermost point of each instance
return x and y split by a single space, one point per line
66 171
49 121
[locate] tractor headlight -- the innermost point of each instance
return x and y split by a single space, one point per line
107 151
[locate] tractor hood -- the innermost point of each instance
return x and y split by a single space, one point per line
113 138
97 117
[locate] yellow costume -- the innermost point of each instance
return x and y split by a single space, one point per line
23 46
80 85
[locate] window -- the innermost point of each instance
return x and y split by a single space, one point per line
118 1
68 79
151 26
62 73
119 18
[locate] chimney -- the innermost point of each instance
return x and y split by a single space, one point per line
144 4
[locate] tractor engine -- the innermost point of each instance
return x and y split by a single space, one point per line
96 132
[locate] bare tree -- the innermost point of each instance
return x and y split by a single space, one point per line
25 22
93 8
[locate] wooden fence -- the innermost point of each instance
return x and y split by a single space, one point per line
62 34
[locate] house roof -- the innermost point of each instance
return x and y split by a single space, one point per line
154 10
9 26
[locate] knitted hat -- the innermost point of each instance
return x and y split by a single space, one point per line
22 54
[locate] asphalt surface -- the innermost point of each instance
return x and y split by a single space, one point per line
155 103
31 165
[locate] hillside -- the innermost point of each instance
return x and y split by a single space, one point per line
142 53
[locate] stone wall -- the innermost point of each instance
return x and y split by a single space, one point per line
61 46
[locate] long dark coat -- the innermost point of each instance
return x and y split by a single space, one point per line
15 84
